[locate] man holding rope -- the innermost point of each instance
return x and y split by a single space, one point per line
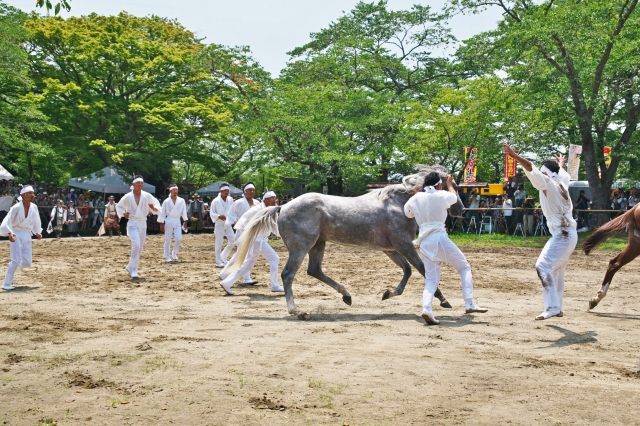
22 221
553 183
135 206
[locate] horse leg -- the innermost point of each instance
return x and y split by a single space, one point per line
288 274
411 255
399 260
630 252
316 254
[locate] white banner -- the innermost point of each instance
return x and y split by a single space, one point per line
573 164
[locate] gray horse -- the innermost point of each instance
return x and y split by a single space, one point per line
375 221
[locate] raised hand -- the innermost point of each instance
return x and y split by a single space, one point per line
561 159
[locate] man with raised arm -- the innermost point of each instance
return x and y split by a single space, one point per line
219 210
173 208
236 211
135 206
553 183
19 224
429 207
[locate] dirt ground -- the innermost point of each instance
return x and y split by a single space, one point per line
81 343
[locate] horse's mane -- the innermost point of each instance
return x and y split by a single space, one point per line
409 182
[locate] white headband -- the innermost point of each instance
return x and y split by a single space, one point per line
269 194
27 188
136 180
432 187
173 187
551 174
250 186
223 187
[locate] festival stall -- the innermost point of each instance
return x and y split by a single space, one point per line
214 189
109 180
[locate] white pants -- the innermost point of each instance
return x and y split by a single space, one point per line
434 250
172 227
137 232
552 264
260 247
225 254
20 253
222 230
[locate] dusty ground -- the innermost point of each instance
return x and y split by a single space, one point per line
81 343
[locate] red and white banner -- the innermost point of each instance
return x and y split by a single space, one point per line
509 167
470 169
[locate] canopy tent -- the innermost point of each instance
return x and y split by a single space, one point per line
4 174
214 189
108 180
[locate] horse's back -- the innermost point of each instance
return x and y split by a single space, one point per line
362 221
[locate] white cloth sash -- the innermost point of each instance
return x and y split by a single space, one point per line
428 228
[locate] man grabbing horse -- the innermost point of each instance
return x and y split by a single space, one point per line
553 183
429 208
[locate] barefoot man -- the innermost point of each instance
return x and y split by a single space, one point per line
259 246
22 220
219 209
429 208
135 206
553 183
173 208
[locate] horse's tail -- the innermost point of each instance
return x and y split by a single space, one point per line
603 233
263 221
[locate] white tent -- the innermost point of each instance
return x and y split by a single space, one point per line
4 174
214 189
108 180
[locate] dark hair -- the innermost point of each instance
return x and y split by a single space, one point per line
136 177
552 165
248 183
173 184
431 179
223 183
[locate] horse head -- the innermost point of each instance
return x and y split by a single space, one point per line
411 181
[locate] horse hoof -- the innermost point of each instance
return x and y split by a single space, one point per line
386 295
593 303
446 304
347 299
304 316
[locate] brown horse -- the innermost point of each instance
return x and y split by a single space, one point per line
630 219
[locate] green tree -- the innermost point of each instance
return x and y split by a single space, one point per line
578 62
125 90
21 122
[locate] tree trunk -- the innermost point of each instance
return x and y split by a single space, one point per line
334 181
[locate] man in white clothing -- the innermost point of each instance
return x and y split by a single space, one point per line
553 183
429 208
173 208
219 210
21 222
135 206
260 246
239 208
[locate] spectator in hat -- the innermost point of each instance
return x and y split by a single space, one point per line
195 210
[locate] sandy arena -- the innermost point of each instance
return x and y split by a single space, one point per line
81 343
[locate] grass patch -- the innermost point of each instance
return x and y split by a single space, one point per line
315 383
160 362
615 243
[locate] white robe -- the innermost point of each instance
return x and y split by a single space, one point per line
430 211
170 215
137 224
221 228
23 227
552 263
239 208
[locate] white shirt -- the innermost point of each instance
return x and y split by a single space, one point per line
244 220
56 211
15 220
475 202
173 210
239 208
220 207
137 212
430 207
507 206
554 198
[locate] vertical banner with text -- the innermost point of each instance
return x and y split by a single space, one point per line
509 167
573 164
470 169
607 156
